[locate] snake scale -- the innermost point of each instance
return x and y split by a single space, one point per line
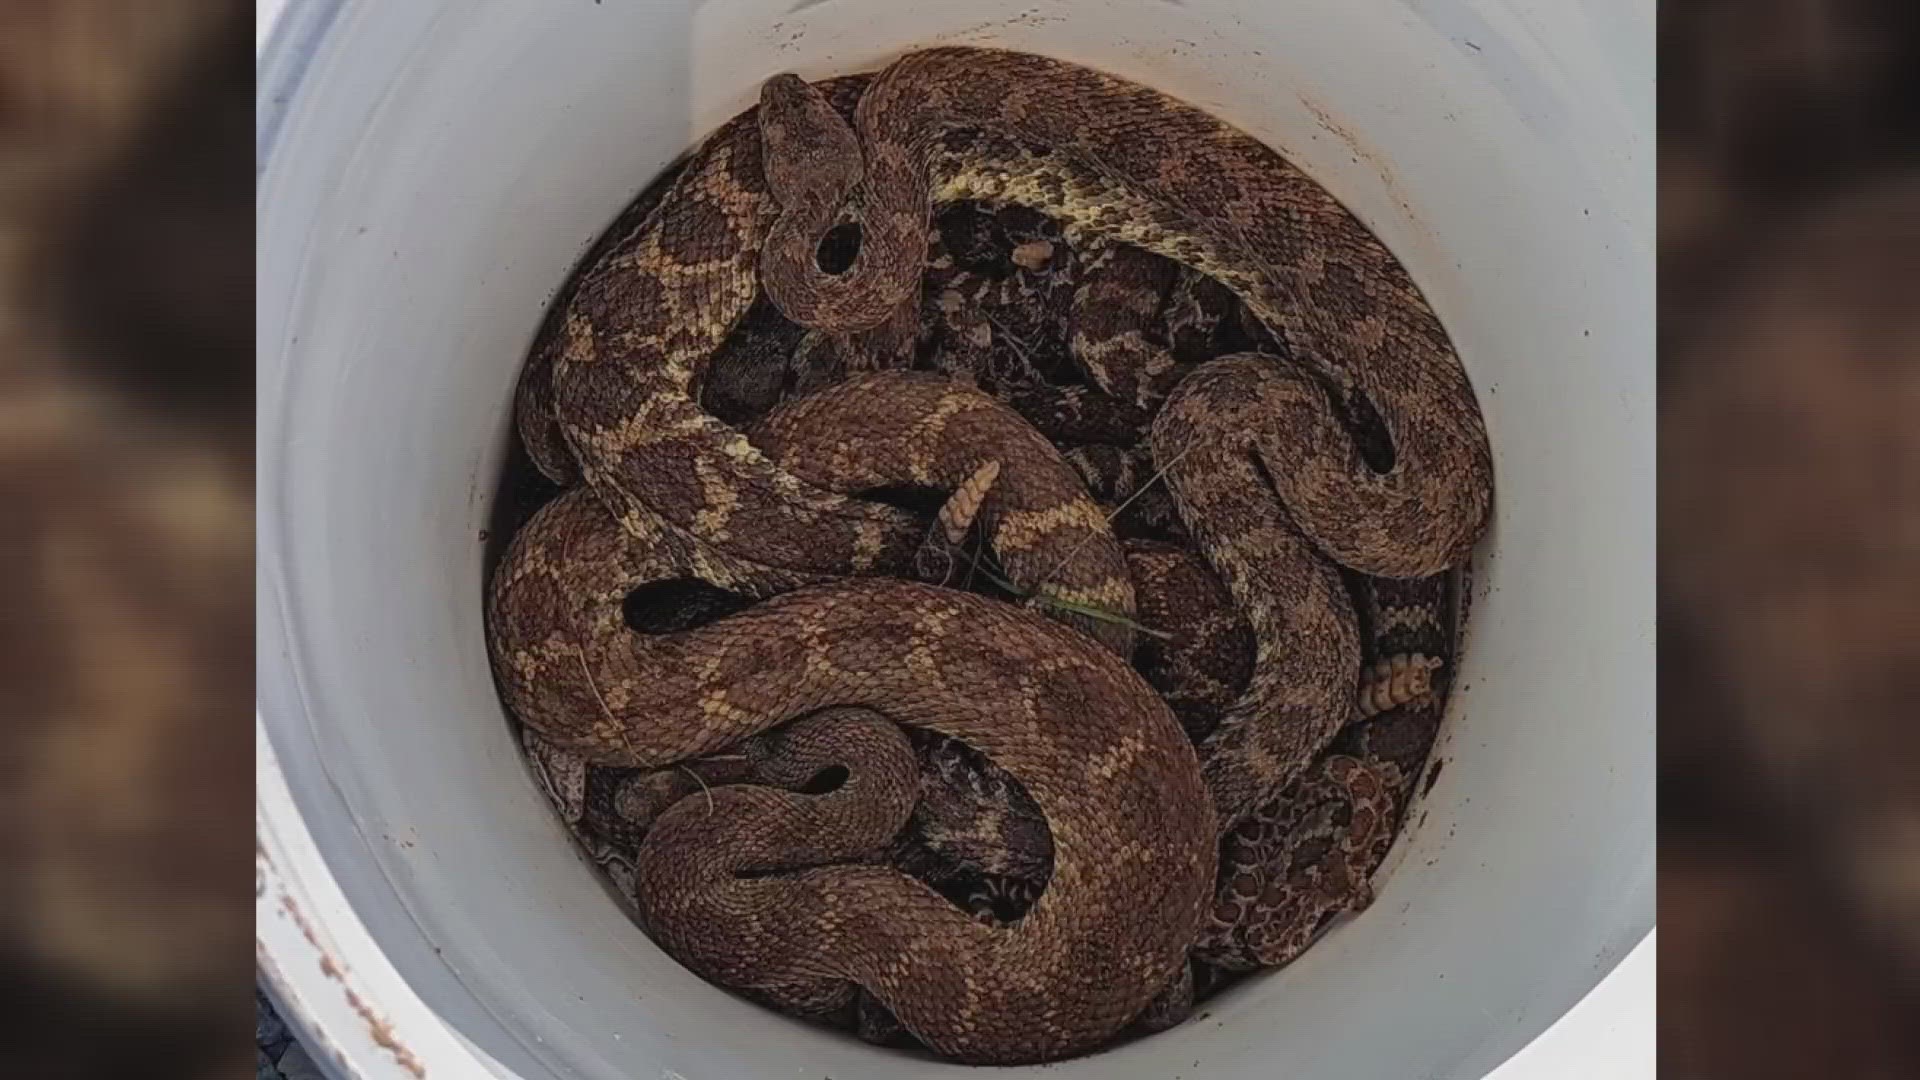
789 890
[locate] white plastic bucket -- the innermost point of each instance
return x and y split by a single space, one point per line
429 172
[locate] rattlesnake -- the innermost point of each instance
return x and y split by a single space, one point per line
636 339
1132 164
1095 748
994 853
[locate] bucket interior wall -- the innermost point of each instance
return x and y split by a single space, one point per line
442 164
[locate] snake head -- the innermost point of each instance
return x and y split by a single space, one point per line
811 155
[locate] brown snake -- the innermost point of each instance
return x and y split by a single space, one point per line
1268 495
1097 751
1136 165
1264 470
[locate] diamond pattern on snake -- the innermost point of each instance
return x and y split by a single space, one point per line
985 555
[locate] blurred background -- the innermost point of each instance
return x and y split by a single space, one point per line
1790 533
1790 538
126 530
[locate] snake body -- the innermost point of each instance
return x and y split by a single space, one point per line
1281 487
1096 750
1265 474
1132 164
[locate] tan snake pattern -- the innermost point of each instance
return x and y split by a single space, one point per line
1267 501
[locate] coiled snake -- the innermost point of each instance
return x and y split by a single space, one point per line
1259 456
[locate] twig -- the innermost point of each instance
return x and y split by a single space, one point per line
1020 345
1151 480
930 547
618 728
698 779
1128 501
681 765
1102 614
1071 606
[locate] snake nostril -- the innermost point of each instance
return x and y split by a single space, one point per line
838 248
